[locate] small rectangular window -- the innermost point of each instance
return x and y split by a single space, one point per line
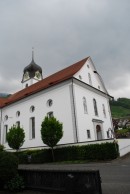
88 134
32 128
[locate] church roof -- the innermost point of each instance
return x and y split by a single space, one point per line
2 101
45 83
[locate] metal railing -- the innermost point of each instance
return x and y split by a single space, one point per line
63 181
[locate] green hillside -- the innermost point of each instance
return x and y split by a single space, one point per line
120 107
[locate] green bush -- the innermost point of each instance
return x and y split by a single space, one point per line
104 151
15 137
16 184
1 148
8 167
123 133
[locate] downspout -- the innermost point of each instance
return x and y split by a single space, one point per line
0 124
111 118
74 109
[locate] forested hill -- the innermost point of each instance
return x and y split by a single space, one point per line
120 108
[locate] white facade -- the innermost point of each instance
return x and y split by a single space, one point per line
72 103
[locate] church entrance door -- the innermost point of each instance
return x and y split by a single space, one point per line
99 132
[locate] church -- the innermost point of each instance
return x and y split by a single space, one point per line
76 96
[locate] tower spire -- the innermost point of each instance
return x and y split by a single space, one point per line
32 53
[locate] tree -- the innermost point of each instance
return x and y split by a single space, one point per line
15 137
51 132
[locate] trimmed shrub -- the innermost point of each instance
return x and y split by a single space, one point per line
15 137
1 148
8 167
104 151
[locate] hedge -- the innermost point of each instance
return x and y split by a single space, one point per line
8 167
104 151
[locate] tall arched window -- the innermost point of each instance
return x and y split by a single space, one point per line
95 107
104 111
85 105
89 78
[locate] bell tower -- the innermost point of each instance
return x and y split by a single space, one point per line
32 73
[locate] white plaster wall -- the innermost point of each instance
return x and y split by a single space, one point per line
83 72
124 146
84 121
61 107
29 82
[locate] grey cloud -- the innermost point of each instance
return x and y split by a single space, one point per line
62 33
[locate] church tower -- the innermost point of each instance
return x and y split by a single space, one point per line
31 73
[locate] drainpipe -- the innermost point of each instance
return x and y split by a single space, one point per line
0 124
111 119
74 110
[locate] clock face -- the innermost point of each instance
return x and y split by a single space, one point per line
38 75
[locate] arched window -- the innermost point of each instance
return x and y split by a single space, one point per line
17 113
6 117
18 124
32 128
95 107
50 114
89 78
99 132
49 102
80 77
104 111
85 105
32 108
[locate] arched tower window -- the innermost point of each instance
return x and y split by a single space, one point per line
85 105
95 107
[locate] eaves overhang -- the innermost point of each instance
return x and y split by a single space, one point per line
83 84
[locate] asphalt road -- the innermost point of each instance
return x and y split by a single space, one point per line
115 175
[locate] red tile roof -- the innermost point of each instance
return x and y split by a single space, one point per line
45 83
2 100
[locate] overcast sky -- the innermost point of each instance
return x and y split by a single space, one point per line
62 33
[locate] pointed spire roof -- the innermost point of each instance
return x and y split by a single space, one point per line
32 67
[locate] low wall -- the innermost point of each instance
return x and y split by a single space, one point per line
63 181
124 146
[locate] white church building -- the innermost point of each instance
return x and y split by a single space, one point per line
76 96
